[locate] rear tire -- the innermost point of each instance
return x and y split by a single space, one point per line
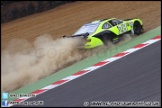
106 39
137 27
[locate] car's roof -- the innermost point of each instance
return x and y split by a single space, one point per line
105 19
92 26
99 21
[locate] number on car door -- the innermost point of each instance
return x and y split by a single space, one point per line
122 28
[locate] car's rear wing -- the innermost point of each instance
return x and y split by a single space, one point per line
79 35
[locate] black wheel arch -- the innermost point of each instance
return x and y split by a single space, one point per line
105 35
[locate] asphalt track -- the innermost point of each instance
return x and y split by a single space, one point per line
136 77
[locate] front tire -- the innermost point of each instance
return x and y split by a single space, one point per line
137 27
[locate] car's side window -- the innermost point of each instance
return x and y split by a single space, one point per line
106 26
111 22
118 21
115 22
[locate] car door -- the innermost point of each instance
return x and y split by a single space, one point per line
113 28
122 27
119 26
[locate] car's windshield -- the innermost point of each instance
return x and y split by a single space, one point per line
90 28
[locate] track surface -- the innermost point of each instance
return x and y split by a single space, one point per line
135 77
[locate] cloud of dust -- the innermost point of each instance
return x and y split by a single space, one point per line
24 62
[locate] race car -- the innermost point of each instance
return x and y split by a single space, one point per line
100 32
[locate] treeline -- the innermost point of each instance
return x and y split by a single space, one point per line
11 10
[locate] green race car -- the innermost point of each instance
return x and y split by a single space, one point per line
100 32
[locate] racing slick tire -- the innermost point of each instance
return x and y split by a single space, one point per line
109 39
137 27
106 39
